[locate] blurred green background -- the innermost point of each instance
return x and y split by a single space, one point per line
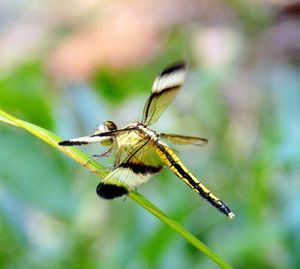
70 65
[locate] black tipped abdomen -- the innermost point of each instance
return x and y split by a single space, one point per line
110 191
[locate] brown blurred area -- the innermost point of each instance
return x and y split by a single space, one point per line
122 33
92 34
285 34
125 33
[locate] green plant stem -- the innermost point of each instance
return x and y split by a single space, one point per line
95 167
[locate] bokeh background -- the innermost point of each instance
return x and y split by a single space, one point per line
70 65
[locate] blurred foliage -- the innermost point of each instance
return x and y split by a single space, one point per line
25 86
115 84
50 216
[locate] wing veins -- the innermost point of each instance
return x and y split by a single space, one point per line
164 90
184 139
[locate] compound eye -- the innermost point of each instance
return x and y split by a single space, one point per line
105 127
110 125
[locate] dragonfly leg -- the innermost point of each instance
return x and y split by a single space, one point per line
95 156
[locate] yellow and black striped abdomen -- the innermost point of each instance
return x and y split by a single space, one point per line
172 161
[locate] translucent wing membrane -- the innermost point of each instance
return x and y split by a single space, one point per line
184 139
142 162
164 90
137 168
84 140
102 137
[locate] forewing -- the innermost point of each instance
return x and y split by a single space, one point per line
164 90
84 140
102 137
184 139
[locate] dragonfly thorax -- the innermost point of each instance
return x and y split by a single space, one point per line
148 132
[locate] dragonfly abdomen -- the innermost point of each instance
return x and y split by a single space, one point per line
178 168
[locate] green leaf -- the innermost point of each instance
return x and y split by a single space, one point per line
98 169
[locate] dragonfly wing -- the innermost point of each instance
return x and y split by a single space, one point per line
84 140
184 139
137 168
102 137
164 90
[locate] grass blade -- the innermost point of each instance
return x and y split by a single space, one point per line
97 168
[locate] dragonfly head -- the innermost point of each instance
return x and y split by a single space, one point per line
105 127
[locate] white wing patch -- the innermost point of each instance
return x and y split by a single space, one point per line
84 140
170 80
126 177
164 89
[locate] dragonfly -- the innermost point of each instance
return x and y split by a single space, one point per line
141 152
